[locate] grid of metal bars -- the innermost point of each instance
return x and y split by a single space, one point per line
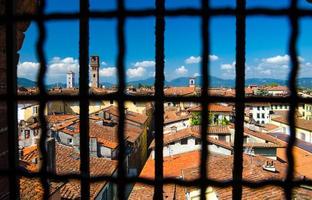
205 12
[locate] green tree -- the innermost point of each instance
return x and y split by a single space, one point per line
196 118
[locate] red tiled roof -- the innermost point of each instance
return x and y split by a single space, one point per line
213 108
195 132
300 123
171 116
219 167
131 116
263 136
180 91
68 161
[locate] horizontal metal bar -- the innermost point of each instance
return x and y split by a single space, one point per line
91 97
165 180
152 12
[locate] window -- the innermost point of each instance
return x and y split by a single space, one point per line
197 141
222 137
258 115
35 110
27 134
302 136
258 107
184 141
69 141
104 195
262 107
262 115
275 106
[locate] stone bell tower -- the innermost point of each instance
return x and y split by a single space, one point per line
95 67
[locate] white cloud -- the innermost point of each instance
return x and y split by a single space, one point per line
228 66
195 60
213 57
145 63
181 70
277 59
228 70
27 69
108 71
136 72
266 72
58 66
103 63
196 74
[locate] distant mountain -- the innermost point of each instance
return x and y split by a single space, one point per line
24 82
305 82
183 81
150 81
264 81
107 84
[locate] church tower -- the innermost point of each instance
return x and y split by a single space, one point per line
95 66
70 82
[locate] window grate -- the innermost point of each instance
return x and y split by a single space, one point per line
205 12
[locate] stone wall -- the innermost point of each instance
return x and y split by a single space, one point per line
22 6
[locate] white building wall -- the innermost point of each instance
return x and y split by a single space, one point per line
180 125
178 148
63 138
106 152
261 114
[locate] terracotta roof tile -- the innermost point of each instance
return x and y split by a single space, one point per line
180 91
219 167
171 116
68 161
194 131
213 108
300 123
131 116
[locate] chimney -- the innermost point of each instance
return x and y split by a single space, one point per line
20 153
39 160
269 166
173 129
51 155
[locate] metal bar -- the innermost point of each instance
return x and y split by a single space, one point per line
204 96
43 100
83 97
11 61
294 22
148 181
121 107
159 94
168 13
240 98
212 99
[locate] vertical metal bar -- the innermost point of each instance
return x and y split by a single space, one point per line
83 97
294 22
121 106
43 101
239 98
159 94
11 61
204 96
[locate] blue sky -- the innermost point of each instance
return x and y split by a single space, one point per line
267 43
